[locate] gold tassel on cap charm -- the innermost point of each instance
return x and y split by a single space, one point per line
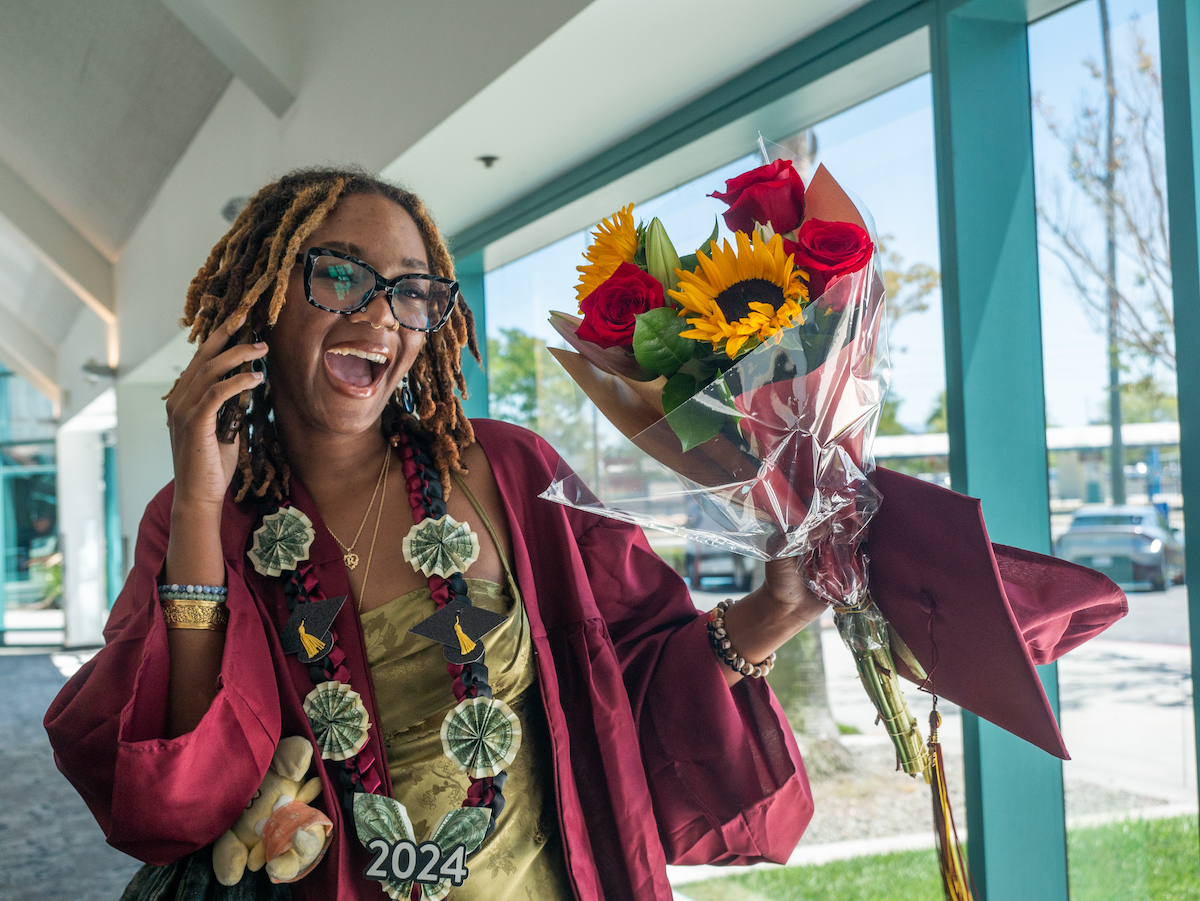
956 878
312 644
465 645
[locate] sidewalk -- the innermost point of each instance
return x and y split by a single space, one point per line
51 847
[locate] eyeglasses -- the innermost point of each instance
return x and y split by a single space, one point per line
339 283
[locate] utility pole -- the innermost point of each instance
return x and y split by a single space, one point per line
1117 450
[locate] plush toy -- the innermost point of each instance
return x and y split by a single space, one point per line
277 829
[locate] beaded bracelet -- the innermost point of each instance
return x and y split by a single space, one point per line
215 593
723 647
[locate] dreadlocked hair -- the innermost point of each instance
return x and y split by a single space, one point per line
248 272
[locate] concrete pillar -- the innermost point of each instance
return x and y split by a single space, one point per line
81 521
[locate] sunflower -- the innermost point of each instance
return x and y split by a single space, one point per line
734 297
616 243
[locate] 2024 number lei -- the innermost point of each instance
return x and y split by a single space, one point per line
427 863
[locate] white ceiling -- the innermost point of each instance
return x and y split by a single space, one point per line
102 101
616 67
99 100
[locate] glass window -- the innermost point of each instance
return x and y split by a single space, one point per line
1117 507
850 760
31 589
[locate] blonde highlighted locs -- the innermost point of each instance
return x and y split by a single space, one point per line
248 272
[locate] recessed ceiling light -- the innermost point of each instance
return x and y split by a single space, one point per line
96 371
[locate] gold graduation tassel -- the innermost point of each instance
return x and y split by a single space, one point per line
956 878
312 644
464 641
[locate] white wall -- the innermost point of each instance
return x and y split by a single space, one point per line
87 340
79 445
81 535
143 455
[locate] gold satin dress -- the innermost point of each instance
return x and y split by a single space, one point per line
523 857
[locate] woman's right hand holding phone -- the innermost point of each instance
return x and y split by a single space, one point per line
204 466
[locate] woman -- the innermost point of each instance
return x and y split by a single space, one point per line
639 746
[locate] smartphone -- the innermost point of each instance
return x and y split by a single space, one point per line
233 412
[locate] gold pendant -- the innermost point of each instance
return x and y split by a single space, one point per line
351 559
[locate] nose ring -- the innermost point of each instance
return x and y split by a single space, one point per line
376 327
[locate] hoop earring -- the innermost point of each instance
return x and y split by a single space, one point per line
407 402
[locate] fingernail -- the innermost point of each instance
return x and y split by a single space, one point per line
237 321
260 345
258 376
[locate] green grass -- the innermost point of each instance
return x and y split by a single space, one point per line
844 729
1158 860
1146 860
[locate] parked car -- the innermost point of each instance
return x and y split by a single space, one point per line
1132 545
704 562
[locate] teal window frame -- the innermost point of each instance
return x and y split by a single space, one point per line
995 398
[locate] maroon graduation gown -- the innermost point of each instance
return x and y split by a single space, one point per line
656 760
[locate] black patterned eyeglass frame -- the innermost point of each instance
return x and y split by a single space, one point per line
388 286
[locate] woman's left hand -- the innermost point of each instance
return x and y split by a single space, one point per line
771 614
784 585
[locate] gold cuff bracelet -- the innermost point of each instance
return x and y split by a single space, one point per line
208 615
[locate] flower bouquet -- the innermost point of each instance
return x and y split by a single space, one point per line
754 371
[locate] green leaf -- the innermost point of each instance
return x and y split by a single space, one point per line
661 258
679 388
656 342
639 255
695 423
377 816
700 369
691 261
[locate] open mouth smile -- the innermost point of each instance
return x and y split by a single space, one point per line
357 371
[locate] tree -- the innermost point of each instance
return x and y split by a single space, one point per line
907 286
888 424
1144 400
526 386
1116 165
936 422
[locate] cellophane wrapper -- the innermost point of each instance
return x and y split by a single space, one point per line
786 472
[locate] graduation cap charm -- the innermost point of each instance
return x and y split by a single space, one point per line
306 632
460 628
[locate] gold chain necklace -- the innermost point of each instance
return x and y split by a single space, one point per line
348 554
362 589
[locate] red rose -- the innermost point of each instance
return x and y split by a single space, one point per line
826 250
609 311
772 193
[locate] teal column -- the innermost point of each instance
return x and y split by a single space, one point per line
114 558
995 399
469 271
1179 43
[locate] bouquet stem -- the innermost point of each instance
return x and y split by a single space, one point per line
865 632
